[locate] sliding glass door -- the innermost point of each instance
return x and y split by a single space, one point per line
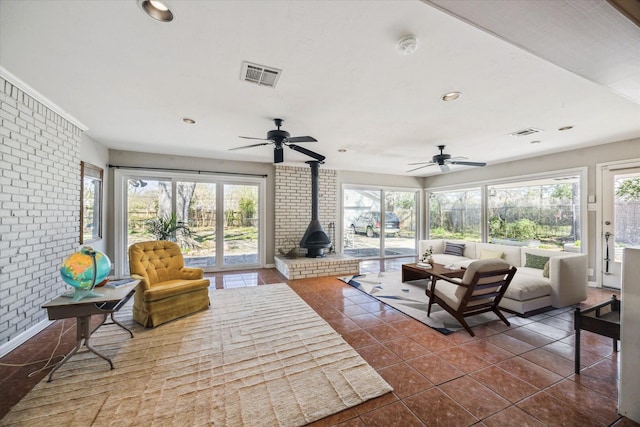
216 221
240 224
380 226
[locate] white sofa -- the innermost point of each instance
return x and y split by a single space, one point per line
529 292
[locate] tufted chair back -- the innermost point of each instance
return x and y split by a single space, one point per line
156 261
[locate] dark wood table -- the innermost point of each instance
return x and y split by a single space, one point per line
602 319
414 272
112 300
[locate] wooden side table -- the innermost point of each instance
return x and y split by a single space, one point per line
602 319
112 300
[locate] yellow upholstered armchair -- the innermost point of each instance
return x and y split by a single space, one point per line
168 290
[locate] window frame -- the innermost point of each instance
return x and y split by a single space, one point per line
580 172
91 175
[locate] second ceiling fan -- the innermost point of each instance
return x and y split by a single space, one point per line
444 160
281 138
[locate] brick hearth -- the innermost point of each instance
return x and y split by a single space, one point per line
329 265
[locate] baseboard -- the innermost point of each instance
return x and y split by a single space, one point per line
8 347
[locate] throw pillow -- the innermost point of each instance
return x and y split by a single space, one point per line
454 248
487 254
545 270
535 261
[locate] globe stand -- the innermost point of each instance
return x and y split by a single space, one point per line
78 294
81 293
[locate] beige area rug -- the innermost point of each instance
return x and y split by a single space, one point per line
259 356
411 299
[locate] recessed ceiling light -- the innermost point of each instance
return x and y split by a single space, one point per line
156 9
535 142
342 150
188 120
451 96
565 128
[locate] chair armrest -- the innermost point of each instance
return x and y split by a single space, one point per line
192 273
454 280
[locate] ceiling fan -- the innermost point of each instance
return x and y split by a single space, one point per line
444 160
280 138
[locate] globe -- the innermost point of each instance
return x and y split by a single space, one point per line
83 270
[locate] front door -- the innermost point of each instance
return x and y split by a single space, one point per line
620 219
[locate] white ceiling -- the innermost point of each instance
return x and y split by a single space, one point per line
130 79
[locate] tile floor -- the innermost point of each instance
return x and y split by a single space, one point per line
506 376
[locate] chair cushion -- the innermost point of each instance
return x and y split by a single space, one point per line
448 293
171 288
483 265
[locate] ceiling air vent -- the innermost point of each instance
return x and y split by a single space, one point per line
525 132
259 74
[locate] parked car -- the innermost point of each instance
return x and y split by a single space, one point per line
369 223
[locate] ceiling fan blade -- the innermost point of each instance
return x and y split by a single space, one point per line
251 137
249 146
444 167
309 153
302 139
468 163
420 167
421 163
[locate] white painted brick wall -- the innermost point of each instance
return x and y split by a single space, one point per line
39 206
293 203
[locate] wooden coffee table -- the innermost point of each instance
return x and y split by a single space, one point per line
414 272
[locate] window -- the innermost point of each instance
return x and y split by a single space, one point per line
543 210
456 214
538 212
90 203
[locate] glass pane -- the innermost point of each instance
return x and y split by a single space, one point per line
627 213
456 215
91 203
241 224
148 201
543 213
400 223
196 206
361 219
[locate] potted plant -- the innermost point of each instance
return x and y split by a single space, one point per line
427 256
167 227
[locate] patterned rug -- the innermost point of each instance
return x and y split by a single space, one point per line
411 299
260 356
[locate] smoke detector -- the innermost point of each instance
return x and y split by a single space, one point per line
408 44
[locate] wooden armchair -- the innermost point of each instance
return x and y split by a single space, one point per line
479 291
167 289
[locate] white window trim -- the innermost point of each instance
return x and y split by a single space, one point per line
120 190
581 172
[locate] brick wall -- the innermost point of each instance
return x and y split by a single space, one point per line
293 203
39 206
